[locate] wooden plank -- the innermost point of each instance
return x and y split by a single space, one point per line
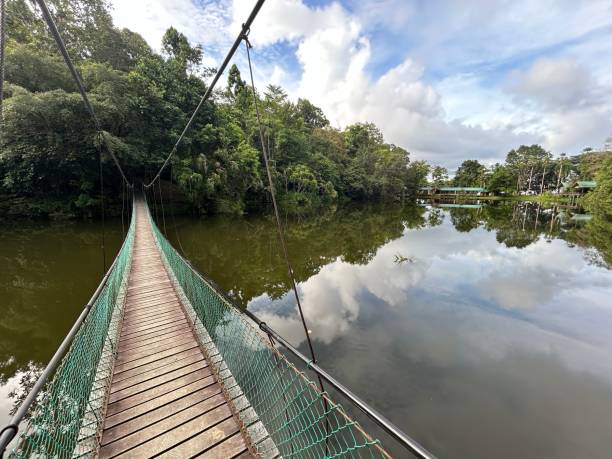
149 289
154 373
150 394
139 354
157 334
158 422
145 305
207 438
149 333
143 386
203 385
163 281
124 346
131 321
140 362
166 292
163 398
148 277
216 422
151 314
158 364
228 448
138 329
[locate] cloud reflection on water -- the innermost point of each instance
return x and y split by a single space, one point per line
487 300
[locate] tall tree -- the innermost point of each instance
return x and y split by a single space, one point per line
470 173
312 115
525 161
176 45
439 176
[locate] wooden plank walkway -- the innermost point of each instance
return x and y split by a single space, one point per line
164 400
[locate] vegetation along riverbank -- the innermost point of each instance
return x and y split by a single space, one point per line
49 148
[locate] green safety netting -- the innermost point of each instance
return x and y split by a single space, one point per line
67 418
280 408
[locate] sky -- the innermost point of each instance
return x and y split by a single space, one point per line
447 80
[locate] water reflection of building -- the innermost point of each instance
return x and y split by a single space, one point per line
453 190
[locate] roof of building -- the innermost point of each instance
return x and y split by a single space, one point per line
455 188
581 184
462 188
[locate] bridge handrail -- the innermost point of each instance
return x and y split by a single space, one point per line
405 440
10 431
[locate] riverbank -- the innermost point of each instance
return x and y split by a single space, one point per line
542 198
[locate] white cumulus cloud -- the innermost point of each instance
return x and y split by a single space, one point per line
446 81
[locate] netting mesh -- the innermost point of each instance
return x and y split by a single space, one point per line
67 419
280 409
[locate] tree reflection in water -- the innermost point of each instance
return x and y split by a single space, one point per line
50 270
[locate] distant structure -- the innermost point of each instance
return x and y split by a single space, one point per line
453 190
607 146
579 186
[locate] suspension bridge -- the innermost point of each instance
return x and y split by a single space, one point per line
161 363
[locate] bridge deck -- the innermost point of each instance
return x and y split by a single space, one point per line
164 400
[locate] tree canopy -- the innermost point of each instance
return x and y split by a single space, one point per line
49 146
144 99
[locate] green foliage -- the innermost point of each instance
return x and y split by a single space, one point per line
439 176
176 45
501 179
417 175
470 173
599 200
144 100
312 115
50 147
36 72
526 162
591 163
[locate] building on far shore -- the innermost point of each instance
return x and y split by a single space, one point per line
579 186
453 190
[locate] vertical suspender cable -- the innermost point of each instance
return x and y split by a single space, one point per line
178 239
161 200
281 235
122 207
2 39
279 226
210 88
102 210
77 79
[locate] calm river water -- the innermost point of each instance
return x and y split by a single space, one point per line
482 332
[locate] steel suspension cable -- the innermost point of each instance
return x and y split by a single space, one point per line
122 207
245 27
178 239
161 200
2 42
102 209
281 235
77 79
279 225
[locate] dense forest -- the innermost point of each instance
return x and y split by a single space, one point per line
50 149
526 169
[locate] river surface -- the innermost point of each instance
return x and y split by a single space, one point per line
482 332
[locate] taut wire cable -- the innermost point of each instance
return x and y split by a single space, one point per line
279 225
210 88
